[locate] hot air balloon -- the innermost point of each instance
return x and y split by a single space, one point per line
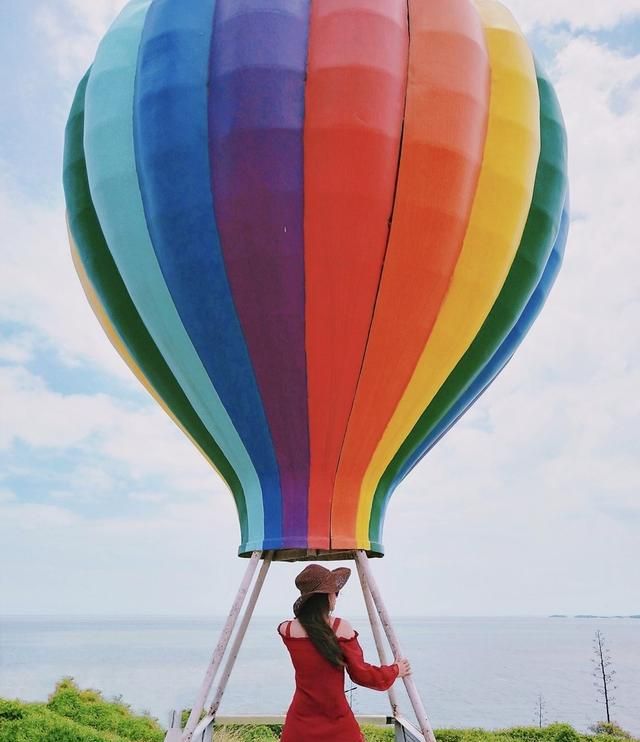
316 231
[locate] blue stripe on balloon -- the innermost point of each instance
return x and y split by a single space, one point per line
495 365
172 155
116 195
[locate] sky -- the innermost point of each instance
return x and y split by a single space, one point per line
529 506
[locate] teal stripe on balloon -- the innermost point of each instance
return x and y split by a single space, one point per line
109 147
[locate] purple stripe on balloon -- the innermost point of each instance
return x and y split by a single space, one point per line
256 114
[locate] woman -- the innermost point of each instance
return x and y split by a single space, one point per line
321 648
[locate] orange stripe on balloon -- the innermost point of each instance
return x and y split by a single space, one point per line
500 209
444 134
354 101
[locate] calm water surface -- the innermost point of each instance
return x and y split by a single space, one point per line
485 672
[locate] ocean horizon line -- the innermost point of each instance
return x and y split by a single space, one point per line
212 616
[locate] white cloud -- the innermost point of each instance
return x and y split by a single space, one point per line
6 496
33 517
37 416
91 479
40 290
17 348
95 16
73 29
156 562
587 14
151 497
86 484
142 439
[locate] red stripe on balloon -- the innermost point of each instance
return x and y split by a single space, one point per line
443 142
354 101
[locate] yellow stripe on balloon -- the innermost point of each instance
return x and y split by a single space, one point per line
120 347
498 216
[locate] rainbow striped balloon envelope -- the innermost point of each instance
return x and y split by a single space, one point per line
316 231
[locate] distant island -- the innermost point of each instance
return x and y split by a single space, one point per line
590 615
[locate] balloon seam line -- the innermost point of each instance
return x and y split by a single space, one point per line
377 295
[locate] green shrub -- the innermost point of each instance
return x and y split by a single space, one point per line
525 734
562 733
253 732
89 708
38 724
75 715
449 735
373 733
609 729
225 735
10 710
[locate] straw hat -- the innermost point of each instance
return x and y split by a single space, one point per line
315 578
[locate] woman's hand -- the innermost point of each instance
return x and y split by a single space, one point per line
404 668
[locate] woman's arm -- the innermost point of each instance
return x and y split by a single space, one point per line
378 677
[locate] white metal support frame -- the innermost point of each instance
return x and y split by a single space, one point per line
377 634
409 684
221 646
174 734
242 629
202 731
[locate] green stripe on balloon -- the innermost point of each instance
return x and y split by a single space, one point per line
115 191
115 299
535 247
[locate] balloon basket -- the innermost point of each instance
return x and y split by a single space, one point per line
200 728
315 555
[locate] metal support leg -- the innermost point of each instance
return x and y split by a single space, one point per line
219 651
409 684
174 733
377 634
237 642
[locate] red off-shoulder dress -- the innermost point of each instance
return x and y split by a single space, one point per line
319 711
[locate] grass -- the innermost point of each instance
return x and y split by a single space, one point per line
75 715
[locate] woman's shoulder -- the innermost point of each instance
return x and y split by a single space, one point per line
291 628
281 628
344 630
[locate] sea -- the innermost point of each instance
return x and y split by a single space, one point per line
471 672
